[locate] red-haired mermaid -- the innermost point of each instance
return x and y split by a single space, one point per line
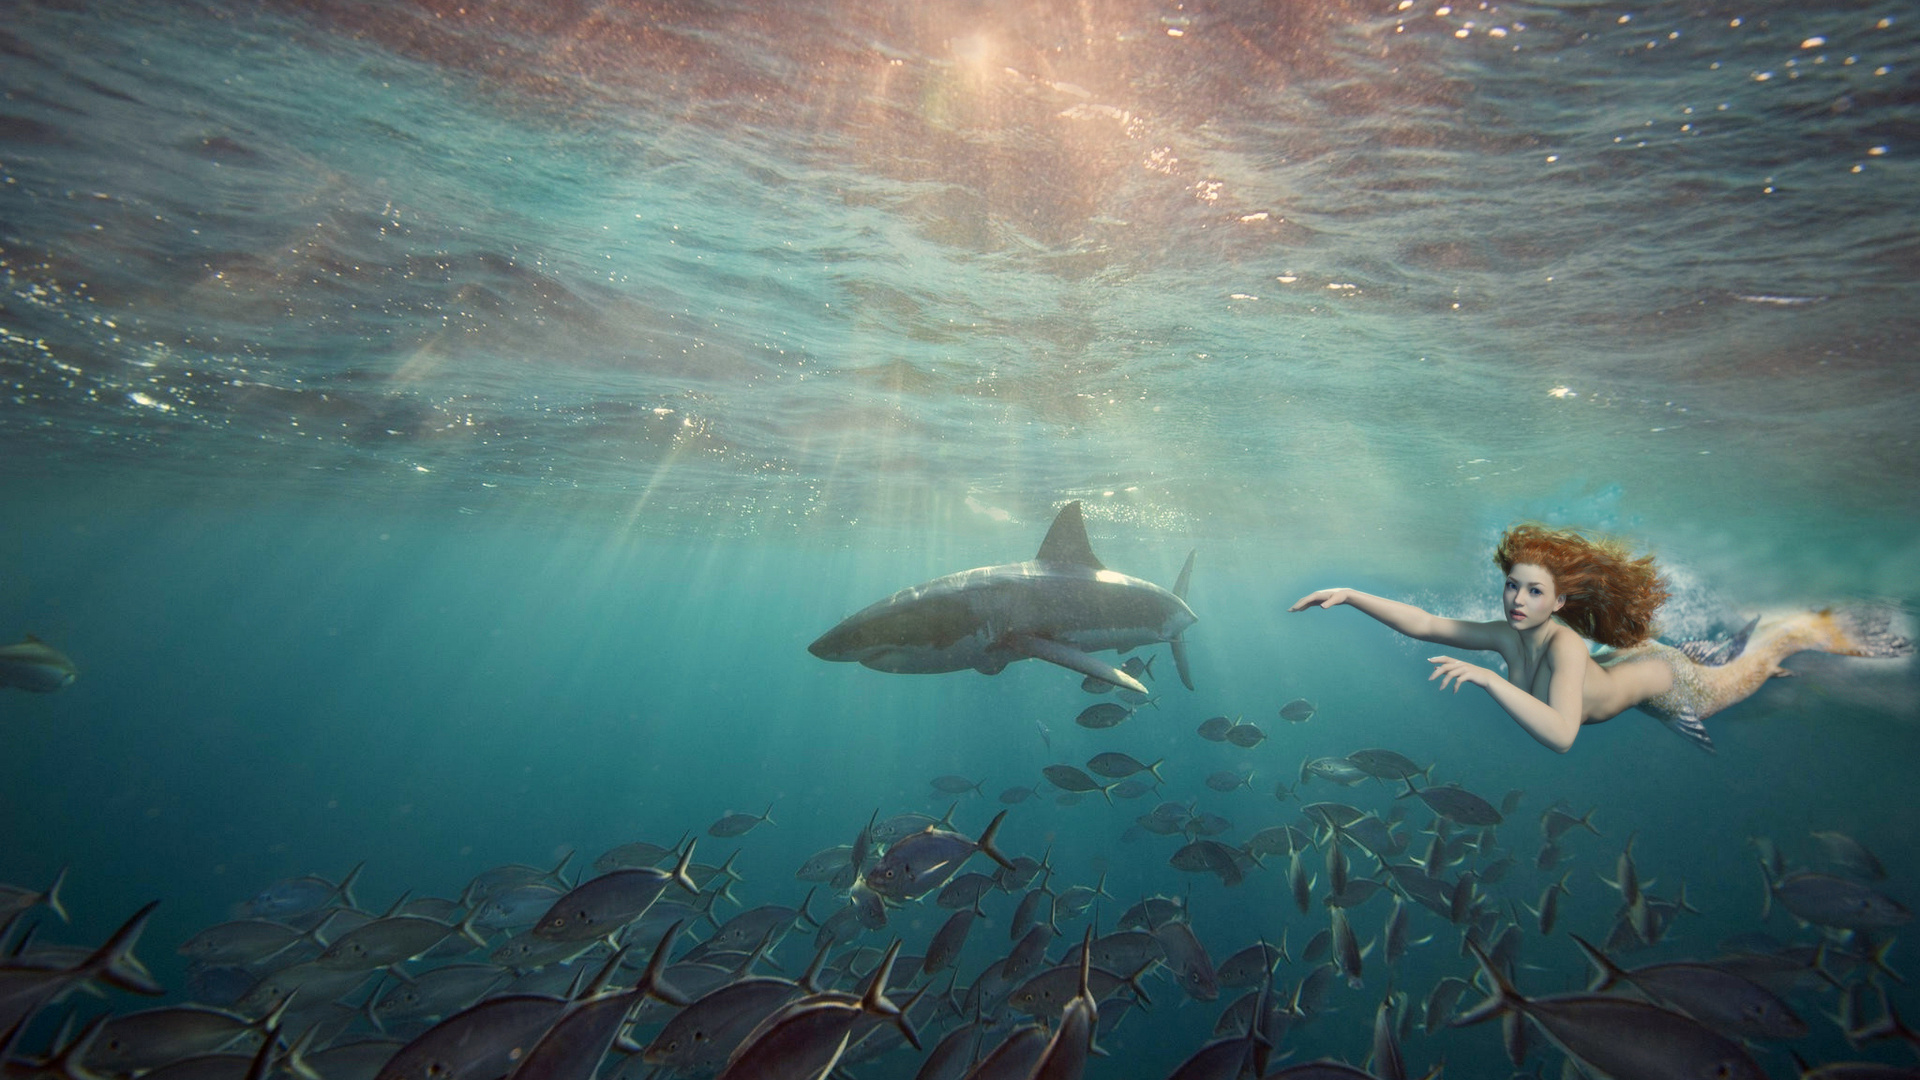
1603 593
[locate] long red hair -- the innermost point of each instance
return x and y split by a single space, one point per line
1611 595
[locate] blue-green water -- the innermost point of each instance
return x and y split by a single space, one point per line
436 432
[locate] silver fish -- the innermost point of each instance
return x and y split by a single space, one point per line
1825 900
822 865
1045 996
1723 1001
139 1041
1842 851
1246 736
1618 1036
1297 711
918 864
1117 766
698 1040
300 895
1102 716
624 857
964 891
957 785
14 899
1385 764
433 994
1034 909
948 941
1456 804
1188 961
1346 948
603 904
25 990
1228 779
243 941
732 824
391 940
36 666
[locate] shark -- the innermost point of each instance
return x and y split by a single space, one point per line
1060 606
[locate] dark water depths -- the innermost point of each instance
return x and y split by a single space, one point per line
435 432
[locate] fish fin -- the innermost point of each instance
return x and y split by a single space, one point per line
345 889
1186 576
114 961
1054 652
1605 972
1501 1000
556 875
1686 724
1180 664
680 868
653 983
1066 541
1766 899
466 928
70 1062
51 898
987 846
296 1060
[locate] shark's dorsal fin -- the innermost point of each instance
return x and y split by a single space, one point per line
1066 541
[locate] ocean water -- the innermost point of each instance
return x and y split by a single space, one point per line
435 431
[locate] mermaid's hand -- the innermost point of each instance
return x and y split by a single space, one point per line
1458 673
1325 598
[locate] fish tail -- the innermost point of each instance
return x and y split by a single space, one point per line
70 1062
114 962
1766 897
467 930
1605 972
1502 999
652 983
1859 631
296 1060
556 875
51 897
680 868
1155 770
767 814
986 841
344 890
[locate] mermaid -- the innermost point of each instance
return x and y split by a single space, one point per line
1565 588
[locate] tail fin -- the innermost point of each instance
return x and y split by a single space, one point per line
986 844
1502 998
1866 631
1180 647
1605 972
115 963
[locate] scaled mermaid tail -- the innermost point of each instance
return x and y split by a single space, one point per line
1702 689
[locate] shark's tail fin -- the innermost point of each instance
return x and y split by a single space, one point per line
1180 647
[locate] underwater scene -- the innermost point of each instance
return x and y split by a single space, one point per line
966 538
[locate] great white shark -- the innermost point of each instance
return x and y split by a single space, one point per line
1061 606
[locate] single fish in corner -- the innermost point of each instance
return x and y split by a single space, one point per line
34 665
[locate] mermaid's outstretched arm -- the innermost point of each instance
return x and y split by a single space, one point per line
1409 620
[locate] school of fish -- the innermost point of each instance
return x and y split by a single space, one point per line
656 960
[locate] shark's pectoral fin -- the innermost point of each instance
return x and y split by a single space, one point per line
1053 652
1180 662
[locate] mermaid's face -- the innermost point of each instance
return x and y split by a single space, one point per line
1530 599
